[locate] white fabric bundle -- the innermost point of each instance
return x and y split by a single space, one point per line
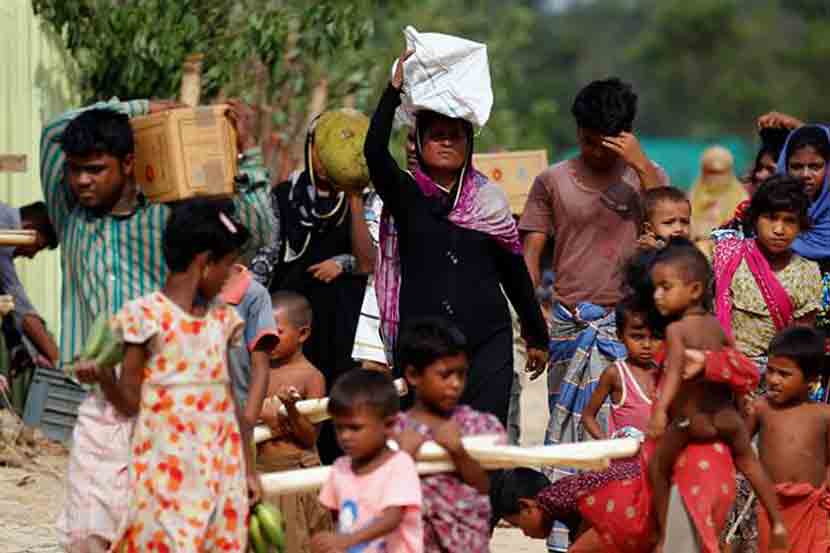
448 75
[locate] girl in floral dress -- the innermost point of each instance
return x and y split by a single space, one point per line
189 468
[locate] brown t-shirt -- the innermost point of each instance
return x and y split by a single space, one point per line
594 230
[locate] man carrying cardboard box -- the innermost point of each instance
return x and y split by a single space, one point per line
111 253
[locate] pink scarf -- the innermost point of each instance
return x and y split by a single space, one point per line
727 258
481 206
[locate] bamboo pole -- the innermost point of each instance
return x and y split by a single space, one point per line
17 237
432 459
315 409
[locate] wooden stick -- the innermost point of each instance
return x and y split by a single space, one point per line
17 237
315 409
432 459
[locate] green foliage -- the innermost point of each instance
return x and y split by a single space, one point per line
702 68
136 48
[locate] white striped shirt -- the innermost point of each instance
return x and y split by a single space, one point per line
109 260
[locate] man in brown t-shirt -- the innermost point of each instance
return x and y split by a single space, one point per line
590 207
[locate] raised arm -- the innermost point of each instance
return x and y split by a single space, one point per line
389 180
56 193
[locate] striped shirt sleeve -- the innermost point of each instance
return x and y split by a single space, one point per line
253 203
58 197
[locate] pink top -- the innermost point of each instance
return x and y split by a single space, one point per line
359 498
634 408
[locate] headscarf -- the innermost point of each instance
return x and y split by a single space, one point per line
309 214
475 204
727 258
813 244
714 198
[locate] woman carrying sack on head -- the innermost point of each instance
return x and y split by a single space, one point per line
451 249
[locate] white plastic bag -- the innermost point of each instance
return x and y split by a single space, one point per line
446 74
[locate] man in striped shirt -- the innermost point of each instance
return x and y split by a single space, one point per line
111 253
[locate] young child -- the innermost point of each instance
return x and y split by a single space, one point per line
456 511
293 377
667 214
188 465
374 491
698 411
761 286
248 362
794 445
631 382
527 499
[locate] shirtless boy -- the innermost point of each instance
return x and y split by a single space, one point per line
794 443
292 378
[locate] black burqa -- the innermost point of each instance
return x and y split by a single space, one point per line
316 228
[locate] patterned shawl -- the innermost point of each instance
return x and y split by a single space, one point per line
480 205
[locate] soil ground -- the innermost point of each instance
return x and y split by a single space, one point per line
31 483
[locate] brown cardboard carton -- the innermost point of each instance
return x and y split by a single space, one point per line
184 153
514 172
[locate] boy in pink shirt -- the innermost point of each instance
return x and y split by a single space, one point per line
374 491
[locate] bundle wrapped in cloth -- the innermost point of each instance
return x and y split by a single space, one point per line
448 75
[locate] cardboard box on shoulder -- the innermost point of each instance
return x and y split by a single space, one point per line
514 172
186 152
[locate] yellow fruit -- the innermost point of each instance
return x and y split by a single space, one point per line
270 520
338 138
255 540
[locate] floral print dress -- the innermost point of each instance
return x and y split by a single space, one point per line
187 468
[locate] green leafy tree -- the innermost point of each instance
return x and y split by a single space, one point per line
285 57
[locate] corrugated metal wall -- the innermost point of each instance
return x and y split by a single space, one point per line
35 85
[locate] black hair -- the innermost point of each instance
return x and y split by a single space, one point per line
507 487
98 131
364 388
654 196
803 345
628 306
683 254
297 307
201 225
809 135
772 142
37 216
424 341
779 193
607 107
638 288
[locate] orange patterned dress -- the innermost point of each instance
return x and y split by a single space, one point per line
187 468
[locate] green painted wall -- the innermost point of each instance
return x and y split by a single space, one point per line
35 85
